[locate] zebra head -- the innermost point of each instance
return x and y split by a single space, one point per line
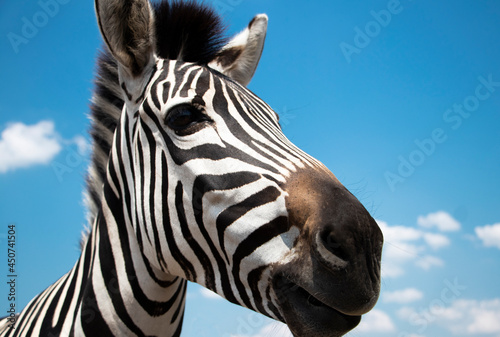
213 190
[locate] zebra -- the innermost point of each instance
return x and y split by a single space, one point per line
192 179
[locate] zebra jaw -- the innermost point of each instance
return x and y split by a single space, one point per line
306 315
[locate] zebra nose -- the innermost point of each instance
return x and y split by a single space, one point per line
340 232
339 250
331 248
334 246
346 234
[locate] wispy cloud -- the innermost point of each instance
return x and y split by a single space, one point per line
464 317
436 241
24 145
82 145
376 321
428 261
403 296
405 244
489 235
440 220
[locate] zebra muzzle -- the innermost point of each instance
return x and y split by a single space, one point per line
308 316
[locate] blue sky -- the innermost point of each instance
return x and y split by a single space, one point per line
400 99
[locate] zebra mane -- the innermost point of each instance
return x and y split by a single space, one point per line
186 31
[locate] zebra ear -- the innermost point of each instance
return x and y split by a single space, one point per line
128 30
239 58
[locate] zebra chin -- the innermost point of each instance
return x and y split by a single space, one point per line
322 314
306 316
317 302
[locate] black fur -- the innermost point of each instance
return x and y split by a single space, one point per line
187 31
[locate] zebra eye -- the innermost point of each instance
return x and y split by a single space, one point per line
185 119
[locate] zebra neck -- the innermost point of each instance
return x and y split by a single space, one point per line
125 296
110 291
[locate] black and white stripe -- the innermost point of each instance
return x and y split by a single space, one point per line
204 208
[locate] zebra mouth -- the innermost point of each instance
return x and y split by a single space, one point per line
308 316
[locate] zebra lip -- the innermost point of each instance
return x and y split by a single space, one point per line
307 316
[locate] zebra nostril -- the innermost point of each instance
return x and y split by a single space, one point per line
332 245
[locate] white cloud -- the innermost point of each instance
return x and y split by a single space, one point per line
486 320
429 261
403 296
404 245
461 317
405 313
275 329
207 293
402 251
376 321
399 233
397 247
490 235
24 145
436 241
391 270
441 220
82 145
